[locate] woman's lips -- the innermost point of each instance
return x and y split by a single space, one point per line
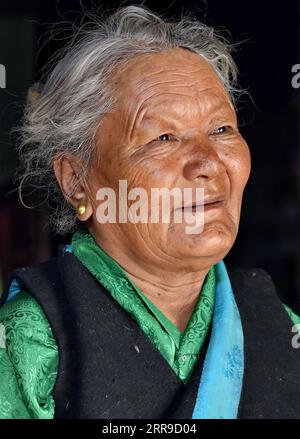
210 203
213 205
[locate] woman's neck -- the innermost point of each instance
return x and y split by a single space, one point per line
176 302
172 288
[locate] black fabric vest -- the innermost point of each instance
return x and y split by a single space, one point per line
108 368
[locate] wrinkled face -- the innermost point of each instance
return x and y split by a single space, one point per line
174 126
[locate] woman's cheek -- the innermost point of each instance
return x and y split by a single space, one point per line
245 160
240 163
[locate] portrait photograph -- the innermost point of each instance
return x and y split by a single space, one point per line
149 213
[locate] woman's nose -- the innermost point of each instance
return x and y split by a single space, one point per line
206 165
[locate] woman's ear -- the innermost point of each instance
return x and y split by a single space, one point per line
67 171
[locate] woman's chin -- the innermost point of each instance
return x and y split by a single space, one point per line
214 241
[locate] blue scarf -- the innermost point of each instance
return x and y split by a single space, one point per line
222 375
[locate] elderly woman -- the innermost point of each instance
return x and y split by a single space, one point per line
140 319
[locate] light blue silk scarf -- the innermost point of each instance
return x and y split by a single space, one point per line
222 375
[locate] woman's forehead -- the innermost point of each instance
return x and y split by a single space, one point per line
176 66
151 82
150 94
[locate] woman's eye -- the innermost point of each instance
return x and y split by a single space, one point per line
165 137
223 130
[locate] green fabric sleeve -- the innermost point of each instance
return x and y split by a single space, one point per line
28 361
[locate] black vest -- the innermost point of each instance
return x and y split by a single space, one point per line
109 369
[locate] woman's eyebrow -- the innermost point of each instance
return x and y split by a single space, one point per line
173 120
222 116
145 116
154 120
172 114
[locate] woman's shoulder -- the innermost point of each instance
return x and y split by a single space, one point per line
23 311
21 300
245 279
23 319
29 360
259 283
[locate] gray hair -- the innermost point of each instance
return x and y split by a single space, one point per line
75 96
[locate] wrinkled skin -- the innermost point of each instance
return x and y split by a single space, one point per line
176 93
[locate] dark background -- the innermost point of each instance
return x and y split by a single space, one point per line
270 31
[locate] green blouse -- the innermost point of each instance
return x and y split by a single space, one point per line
29 353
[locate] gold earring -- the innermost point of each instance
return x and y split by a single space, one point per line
81 209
